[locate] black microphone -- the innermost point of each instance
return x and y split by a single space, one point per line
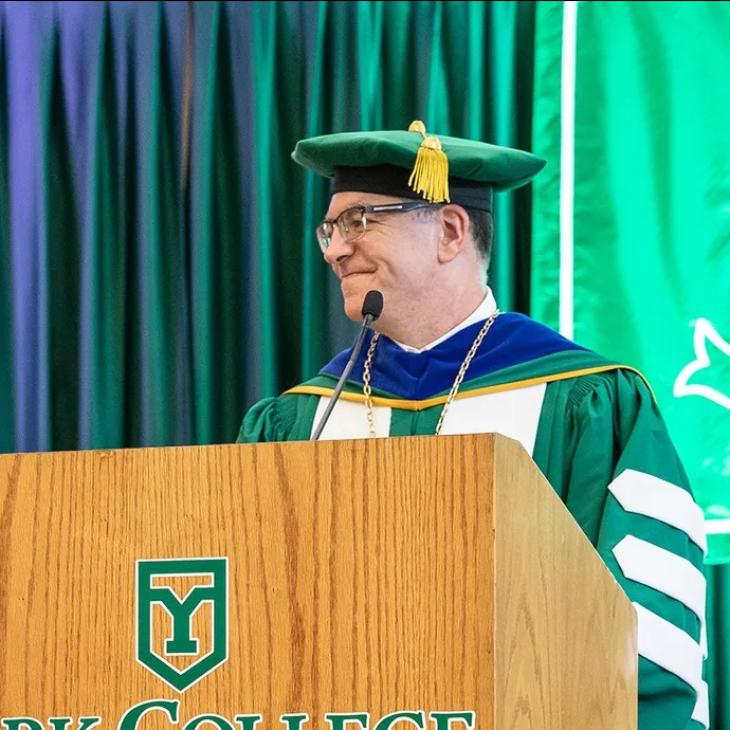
372 306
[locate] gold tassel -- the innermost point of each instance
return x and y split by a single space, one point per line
430 176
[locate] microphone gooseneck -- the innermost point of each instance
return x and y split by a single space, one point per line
372 307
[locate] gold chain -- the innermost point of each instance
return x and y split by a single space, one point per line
368 391
464 366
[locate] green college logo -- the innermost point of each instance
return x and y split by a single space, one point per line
172 595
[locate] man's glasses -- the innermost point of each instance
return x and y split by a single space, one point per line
353 222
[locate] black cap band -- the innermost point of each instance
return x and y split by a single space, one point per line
393 180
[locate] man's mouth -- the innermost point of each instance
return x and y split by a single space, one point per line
353 273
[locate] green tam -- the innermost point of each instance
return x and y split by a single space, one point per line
415 165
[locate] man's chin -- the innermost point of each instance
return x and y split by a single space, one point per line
353 307
353 297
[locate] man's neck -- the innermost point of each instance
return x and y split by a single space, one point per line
420 330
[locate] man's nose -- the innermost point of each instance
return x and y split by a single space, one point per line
338 250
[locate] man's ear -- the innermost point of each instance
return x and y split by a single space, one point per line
454 232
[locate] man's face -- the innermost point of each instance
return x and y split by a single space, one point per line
397 255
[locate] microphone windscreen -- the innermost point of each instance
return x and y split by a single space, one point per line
373 304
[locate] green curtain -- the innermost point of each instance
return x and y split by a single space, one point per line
7 436
161 269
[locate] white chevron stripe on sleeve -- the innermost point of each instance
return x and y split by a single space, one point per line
661 500
701 712
672 649
663 570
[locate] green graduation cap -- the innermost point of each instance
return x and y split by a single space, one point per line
414 164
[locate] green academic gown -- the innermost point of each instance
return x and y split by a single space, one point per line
593 429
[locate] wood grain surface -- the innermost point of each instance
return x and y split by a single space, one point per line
361 577
566 646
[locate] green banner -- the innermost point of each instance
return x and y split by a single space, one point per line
632 216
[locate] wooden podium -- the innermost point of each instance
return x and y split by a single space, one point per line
435 583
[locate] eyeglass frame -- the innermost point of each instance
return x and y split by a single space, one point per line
405 207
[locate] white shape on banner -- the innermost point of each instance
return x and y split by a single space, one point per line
704 331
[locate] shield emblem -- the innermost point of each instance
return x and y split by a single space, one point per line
182 618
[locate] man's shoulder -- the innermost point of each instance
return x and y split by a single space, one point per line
285 417
522 351
615 381
526 338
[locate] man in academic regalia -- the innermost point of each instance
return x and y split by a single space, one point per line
411 216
